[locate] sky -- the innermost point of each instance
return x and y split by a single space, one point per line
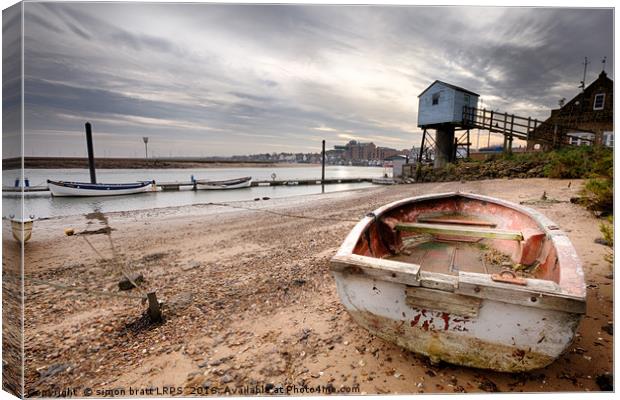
218 80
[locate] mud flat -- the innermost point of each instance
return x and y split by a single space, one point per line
250 303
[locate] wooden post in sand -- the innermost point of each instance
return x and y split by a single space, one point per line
154 309
323 169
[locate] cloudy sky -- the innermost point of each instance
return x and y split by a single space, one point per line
237 79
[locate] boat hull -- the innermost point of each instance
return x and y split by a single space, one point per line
502 337
224 185
76 190
463 316
22 230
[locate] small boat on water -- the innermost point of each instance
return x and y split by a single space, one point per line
61 188
238 183
464 278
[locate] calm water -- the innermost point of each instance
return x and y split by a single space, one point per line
42 206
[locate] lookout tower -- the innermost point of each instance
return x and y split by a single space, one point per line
441 108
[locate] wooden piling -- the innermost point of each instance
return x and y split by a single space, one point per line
91 155
154 309
422 146
323 168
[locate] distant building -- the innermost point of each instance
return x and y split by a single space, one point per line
397 162
358 151
383 153
590 111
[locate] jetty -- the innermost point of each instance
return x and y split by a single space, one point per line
177 185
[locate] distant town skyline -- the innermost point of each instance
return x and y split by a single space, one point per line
218 79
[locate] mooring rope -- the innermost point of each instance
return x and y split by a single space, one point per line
76 288
114 261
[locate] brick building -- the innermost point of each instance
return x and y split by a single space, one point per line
358 151
590 111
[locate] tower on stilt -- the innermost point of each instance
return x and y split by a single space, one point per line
441 108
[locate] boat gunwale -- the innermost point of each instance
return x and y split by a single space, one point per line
566 254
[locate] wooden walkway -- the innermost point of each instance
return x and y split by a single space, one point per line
170 186
173 186
511 125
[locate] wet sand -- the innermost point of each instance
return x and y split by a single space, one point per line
249 300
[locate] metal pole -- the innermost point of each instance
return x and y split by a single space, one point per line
323 169
91 155
145 139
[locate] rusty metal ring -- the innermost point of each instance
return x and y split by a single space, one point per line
508 271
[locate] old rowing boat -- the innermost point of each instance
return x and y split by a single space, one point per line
463 278
61 188
237 183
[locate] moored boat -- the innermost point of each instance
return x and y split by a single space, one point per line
238 183
463 278
61 188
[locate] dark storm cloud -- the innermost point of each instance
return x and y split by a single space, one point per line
226 79
11 82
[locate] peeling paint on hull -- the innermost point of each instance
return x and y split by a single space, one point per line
455 349
503 337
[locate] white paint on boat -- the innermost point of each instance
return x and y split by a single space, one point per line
60 190
497 326
22 229
540 335
223 185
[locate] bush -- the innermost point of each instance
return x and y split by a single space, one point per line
607 229
598 195
569 162
598 191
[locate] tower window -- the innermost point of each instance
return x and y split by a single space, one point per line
599 101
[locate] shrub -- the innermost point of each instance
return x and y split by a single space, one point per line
569 162
607 229
598 195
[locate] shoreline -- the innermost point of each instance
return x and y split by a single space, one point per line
184 209
137 163
249 299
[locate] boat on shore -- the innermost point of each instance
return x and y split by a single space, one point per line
384 180
238 183
62 188
464 278
22 228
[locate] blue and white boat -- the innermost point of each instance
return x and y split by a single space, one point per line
61 188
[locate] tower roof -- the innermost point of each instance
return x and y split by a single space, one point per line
460 89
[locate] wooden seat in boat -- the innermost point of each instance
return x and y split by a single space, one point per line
459 231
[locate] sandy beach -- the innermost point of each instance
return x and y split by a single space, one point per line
249 300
